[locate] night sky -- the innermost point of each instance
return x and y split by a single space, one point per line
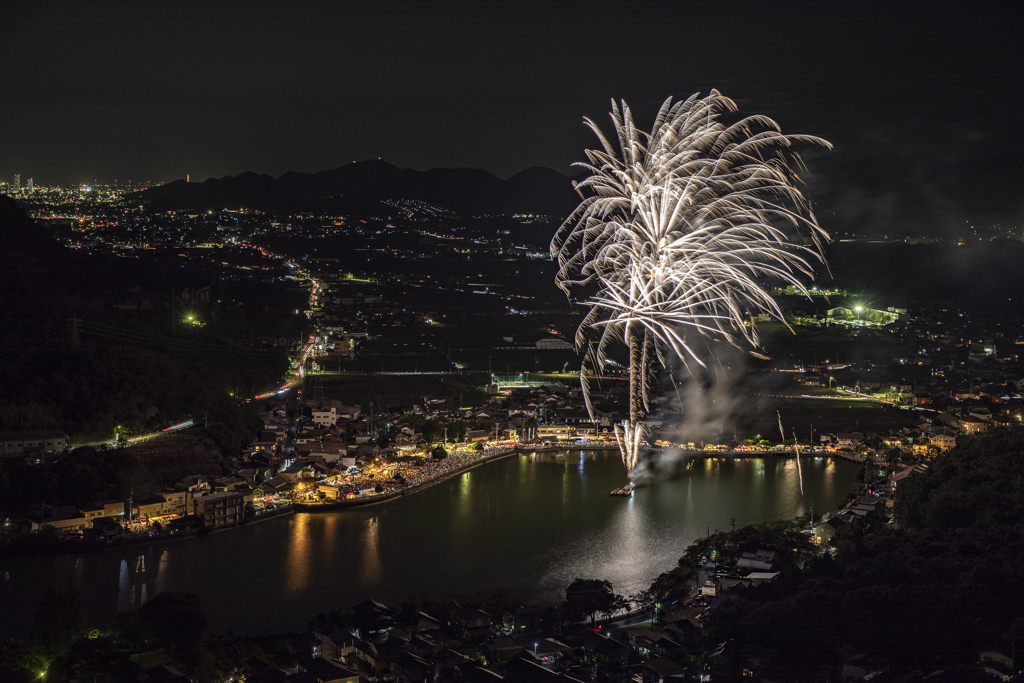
908 93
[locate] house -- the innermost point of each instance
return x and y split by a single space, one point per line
330 492
423 645
753 564
408 667
152 507
973 425
328 671
684 631
370 606
473 673
519 429
648 643
103 508
196 483
897 477
732 583
859 667
62 518
527 669
297 472
348 412
769 556
419 622
502 648
662 670
528 619
334 645
471 619
849 439
333 452
873 505
165 673
175 502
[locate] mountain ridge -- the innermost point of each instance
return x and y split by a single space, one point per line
362 186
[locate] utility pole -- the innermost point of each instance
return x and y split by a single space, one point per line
75 341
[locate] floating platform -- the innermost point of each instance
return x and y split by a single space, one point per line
626 490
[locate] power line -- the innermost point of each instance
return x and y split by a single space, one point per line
153 335
36 346
99 327
225 353
180 344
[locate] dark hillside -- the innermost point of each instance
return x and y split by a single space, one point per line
933 592
19 233
123 369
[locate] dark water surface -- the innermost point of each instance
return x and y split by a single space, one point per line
527 523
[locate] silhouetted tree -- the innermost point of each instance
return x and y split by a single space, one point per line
590 597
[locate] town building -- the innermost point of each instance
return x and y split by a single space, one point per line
38 441
222 509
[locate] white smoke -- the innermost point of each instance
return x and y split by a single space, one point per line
702 406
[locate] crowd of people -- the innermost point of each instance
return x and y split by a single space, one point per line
406 475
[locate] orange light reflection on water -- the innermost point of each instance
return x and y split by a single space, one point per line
299 554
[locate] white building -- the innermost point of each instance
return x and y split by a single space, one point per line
39 441
325 417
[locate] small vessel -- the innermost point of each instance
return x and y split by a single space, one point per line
626 490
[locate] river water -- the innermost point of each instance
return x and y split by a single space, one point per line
528 523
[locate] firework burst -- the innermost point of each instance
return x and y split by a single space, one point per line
678 228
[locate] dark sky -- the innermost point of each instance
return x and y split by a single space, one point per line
152 90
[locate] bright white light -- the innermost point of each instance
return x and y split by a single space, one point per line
679 227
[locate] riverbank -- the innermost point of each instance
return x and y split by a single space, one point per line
32 546
383 498
528 524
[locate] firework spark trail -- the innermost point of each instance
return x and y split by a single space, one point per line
677 227
799 469
796 445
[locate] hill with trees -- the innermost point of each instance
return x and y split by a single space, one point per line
70 359
932 591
